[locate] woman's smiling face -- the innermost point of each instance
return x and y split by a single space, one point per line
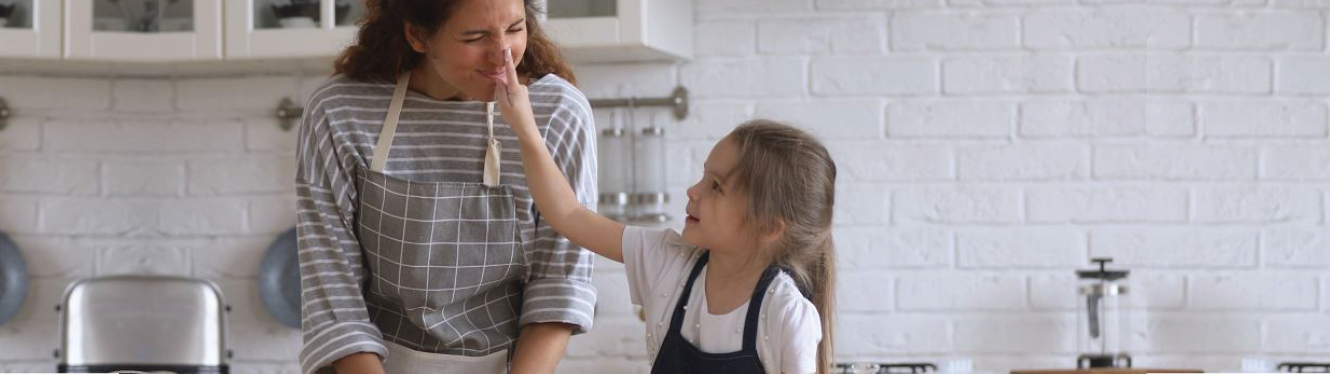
468 49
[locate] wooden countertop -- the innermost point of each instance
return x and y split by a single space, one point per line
1134 370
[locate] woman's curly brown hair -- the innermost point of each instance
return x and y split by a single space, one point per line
381 51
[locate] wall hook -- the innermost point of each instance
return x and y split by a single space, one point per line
4 114
288 113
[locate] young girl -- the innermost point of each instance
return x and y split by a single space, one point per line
748 287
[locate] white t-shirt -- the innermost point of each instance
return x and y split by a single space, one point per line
659 262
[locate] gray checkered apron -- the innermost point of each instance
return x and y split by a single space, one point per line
446 266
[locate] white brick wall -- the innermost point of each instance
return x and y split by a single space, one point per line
1007 74
954 31
986 148
158 175
1185 138
849 76
1106 117
1304 75
1270 30
1107 28
950 119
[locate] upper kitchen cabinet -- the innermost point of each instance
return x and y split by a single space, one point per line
143 30
621 30
30 28
258 29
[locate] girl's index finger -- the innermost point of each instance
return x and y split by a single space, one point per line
510 68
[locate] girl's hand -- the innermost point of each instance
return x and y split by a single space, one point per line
513 100
549 188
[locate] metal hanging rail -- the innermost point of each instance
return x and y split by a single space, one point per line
678 101
288 112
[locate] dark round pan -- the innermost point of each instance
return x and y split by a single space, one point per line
279 280
13 279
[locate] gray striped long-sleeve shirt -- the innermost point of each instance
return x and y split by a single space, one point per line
436 141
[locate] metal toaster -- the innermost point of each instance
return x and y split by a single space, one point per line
143 323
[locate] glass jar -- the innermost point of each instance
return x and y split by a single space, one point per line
615 173
649 197
649 171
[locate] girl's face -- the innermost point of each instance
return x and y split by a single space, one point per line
717 210
468 50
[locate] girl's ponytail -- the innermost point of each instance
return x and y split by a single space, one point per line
822 283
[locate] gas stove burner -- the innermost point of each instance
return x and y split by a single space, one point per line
1304 367
885 368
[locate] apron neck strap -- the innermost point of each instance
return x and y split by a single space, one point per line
489 118
390 124
493 150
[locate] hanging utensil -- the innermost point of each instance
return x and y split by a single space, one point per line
279 280
13 279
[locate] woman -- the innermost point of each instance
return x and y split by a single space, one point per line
420 247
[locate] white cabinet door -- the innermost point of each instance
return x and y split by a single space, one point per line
290 28
621 30
30 28
143 30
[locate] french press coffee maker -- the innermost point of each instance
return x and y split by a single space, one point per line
1101 320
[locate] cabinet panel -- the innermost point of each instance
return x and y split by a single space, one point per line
143 30
30 28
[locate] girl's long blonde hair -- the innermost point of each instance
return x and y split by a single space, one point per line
790 177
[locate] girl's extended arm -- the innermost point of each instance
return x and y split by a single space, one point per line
554 196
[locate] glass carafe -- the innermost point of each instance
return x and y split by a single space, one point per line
1102 322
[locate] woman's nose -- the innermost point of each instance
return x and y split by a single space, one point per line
503 43
496 56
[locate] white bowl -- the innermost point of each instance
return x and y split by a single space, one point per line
298 23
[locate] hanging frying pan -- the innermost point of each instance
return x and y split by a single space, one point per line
13 279
279 280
